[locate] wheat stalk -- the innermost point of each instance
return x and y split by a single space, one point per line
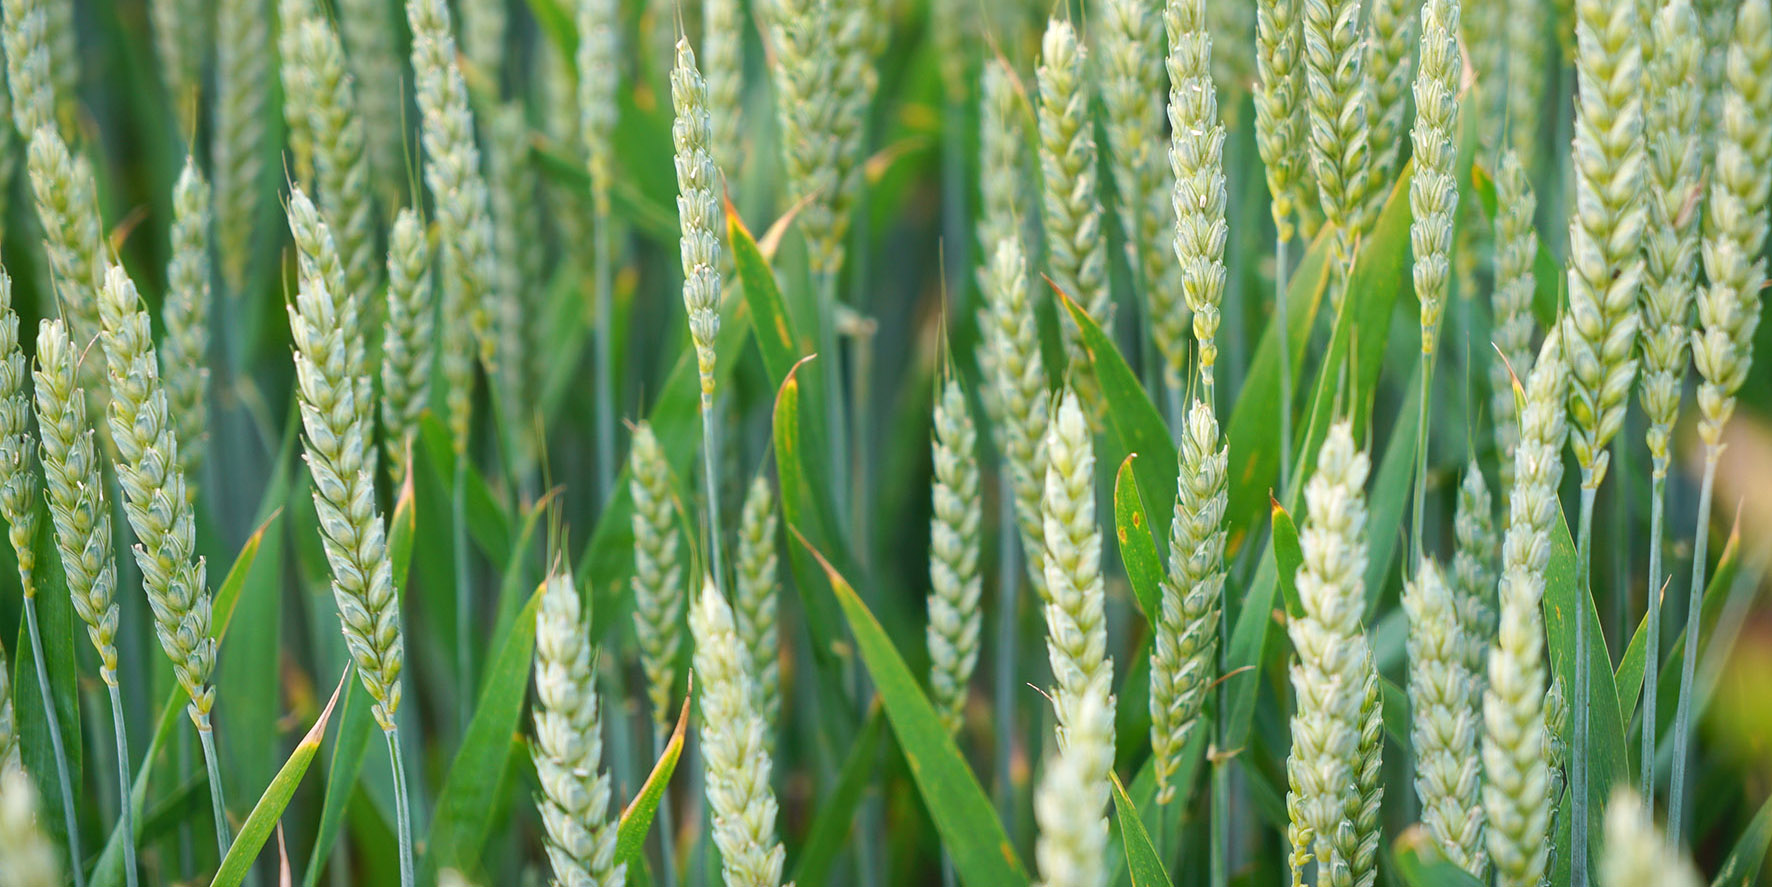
1196 147
407 347
185 315
734 753
1444 729
242 86
1516 790
657 583
1184 650
957 512
1332 659
568 749
755 593
1076 249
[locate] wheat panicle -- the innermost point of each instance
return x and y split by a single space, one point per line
799 33
406 348
1473 574
1636 854
1516 789
1002 163
154 495
733 748
484 25
460 201
176 48
370 37
568 749
957 513
1076 624
73 230
755 594
1485 37
1433 189
26 853
657 583
1330 670
1197 203
341 451
18 448
723 34
30 76
317 255
185 314
1233 32
242 86
1445 723
1070 805
297 79
1338 98
512 192
1279 107
1528 75
1184 650
341 150
857 31
1391 27
698 210
1516 249
599 49
1352 852
1018 378
1076 247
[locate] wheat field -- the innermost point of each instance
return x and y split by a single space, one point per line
885 442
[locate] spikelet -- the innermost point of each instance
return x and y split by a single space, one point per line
1131 58
154 495
340 447
185 314
733 750
659 594
1473 575
1076 247
26 854
1636 853
18 449
805 64
367 27
599 49
406 348
1018 378
29 66
1433 190
1605 229
698 211
461 204
1556 750
1670 243
76 491
1338 99
1516 248
242 85
1391 26
1196 148
1076 623
1735 224
1327 678
1070 806
1528 73
1516 788
73 233
1279 107
755 595
568 749
1444 730
723 34
1002 140
1184 651
341 155
957 512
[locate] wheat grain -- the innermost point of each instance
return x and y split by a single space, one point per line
957 512
657 583
1391 27
1196 148
1184 650
1076 623
1444 729
735 757
185 315
1339 102
1516 789
1070 806
1279 109
29 67
242 85
755 593
1331 666
1635 854
1473 575
568 749
1018 378
407 346
26 854
1077 251
1516 248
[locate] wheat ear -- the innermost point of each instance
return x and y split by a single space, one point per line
755 594
242 85
659 593
1338 100
370 36
185 314
1473 575
805 63
484 25
723 34
26 853
1444 730
73 231
1196 148
1076 248
341 152
1002 164
1635 854
1279 106
1070 806
29 75
1076 623
1516 248
406 352
599 49
1184 651
1018 378
568 749
1391 27
176 43
957 513
1528 73
734 752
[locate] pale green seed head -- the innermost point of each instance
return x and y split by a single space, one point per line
698 209
1197 203
1279 106
18 448
957 513
26 854
657 583
1445 727
1433 188
1636 854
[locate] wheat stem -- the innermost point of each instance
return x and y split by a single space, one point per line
53 724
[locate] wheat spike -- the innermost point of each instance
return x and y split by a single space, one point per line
1018 378
1433 190
1444 731
1076 247
1636 854
1070 806
26 854
754 600
370 36
957 513
242 86
1473 574
1076 624
1516 248
18 448
407 347
1391 27
1338 98
185 314
1279 107
659 592
73 231
1196 148
30 77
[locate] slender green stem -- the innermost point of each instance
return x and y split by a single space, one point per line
1652 632
709 443
72 823
464 660
402 805
1676 792
212 765
1578 700
825 285
1177 409
1008 587
1283 327
602 297
125 811
861 363
1427 388
667 832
